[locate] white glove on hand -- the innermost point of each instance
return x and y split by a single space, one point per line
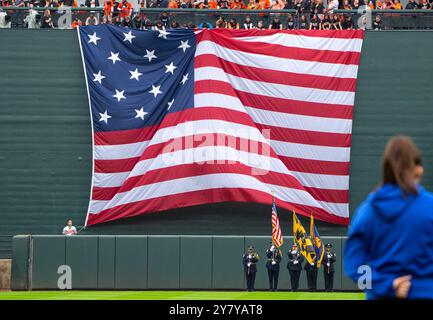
328 264
273 262
249 264
295 262
250 256
312 264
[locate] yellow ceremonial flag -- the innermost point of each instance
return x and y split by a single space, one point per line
317 242
303 241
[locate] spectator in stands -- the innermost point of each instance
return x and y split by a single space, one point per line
158 26
205 25
127 22
396 5
261 25
117 21
291 24
424 5
355 4
92 20
335 22
174 24
69 230
411 5
332 5
318 8
314 23
148 25
303 24
347 5
107 20
237 5
277 5
173 4
386 5
125 9
377 23
220 23
186 4
232 24
164 18
47 21
76 23
108 8
276 24
137 22
248 23
223 4
347 23
92 3
326 22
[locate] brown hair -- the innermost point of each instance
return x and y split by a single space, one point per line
400 158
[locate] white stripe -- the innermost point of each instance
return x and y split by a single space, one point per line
212 181
276 63
120 151
322 181
276 90
308 151
300 122
305 42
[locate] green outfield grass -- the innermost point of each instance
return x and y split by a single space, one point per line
176 295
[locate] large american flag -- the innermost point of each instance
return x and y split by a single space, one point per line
184 117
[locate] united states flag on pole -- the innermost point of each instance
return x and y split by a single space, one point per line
184 117
277 236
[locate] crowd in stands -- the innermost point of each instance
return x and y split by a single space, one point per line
310 14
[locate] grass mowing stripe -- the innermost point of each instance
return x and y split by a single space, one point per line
177 295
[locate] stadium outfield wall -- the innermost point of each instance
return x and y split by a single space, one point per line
45 137
151 262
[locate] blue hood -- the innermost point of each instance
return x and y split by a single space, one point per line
389 201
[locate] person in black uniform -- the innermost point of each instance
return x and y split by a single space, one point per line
295 266
311 269
249 261
329 259
273 265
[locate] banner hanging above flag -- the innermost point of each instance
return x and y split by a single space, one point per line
182 118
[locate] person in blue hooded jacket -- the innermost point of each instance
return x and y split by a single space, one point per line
392 230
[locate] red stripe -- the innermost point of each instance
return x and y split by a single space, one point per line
316 166
285 51
339 34
275 104
274 76
205 197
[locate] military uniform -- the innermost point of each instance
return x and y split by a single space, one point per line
273 266
295 267
311 270
328 261
249 260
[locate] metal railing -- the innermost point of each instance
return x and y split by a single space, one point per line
67 18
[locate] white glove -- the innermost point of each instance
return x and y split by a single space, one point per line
272 249
249 264
295 262
312 264
250 256
328 264
329 256
273 262
293 252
